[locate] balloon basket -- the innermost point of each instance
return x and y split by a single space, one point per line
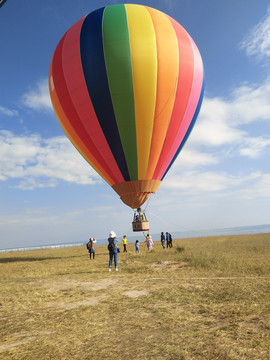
140 225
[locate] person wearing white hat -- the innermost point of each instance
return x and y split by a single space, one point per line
90 247
113 250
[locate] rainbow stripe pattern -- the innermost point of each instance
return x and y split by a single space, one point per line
126 83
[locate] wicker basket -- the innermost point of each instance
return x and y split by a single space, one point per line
140 225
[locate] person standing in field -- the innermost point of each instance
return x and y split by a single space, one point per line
149 241
90 247
170 240
167 239
137 246
124 242
113 250
162 239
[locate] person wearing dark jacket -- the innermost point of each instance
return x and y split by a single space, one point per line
113 250
170 240
162 239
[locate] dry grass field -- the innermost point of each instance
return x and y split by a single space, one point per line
206 298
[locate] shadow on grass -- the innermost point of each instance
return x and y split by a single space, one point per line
74 273
32 258
180 249
27 258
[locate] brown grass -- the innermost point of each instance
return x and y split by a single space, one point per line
206 298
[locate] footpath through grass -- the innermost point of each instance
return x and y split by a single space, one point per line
206 298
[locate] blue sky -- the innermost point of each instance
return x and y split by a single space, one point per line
50 195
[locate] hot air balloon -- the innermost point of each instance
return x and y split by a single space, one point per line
126 83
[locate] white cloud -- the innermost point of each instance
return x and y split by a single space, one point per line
38 98
8 112
222 123
190 158
214 127
203 192
257 41
29 217
255 147
196 182
260 188
250 103
36 162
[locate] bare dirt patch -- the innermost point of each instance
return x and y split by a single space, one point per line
136 293
67 284
189 286
67 306
13 345
160 265
23 341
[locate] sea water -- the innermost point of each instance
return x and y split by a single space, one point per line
256 229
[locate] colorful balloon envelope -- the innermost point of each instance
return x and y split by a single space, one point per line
126 83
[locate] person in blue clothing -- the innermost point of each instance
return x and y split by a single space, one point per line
137 246
113 250
167 240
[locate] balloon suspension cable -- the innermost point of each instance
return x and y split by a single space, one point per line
174 224
144 210
147 202
130 228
